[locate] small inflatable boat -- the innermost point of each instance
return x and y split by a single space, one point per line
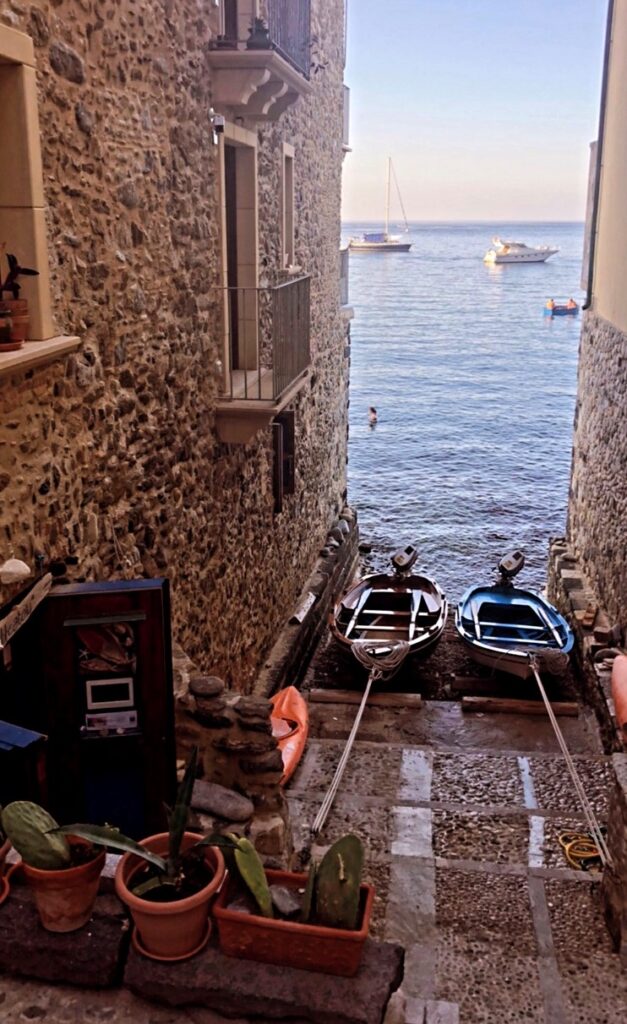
290 727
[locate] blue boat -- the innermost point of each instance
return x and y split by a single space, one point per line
503 625
561 309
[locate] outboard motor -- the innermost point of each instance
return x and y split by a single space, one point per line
509 566
404 559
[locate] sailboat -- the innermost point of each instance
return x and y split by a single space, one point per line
383 241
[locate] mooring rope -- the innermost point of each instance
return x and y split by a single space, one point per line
371 656
553 661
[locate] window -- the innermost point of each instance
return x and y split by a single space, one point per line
283 440
22 205
287 240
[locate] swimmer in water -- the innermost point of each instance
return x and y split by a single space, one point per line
372 415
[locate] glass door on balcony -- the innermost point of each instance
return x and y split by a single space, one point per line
230 195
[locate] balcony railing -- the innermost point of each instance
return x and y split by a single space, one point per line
267 335
289 22
289 27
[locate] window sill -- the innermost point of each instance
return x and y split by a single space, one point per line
36 353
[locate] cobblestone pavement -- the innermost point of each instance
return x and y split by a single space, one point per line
459 814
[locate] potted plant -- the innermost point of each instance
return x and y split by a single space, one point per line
167 880
63 871
14 311
5 846
318 922
258 36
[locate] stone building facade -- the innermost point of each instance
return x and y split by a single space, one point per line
154 445
597 518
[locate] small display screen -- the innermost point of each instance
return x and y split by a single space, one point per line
109 693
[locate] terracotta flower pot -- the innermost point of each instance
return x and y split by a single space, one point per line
290 943
65 898
4 849
175 930
15 307
19 327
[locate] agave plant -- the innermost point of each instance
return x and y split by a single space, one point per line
173 869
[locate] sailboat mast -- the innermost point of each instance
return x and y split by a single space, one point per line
387 200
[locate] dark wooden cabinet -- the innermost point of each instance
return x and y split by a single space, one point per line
92 670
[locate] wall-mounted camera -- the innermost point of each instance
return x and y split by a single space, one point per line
218 122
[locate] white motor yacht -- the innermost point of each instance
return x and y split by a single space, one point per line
517 252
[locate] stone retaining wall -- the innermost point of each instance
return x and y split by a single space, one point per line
615 881
596 644
597 510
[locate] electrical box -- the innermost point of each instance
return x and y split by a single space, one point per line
22 765
92 669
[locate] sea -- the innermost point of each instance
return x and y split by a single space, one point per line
475 393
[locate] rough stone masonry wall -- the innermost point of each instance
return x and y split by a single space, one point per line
615 880
112 455
598 496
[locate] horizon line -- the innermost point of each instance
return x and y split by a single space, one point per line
466 220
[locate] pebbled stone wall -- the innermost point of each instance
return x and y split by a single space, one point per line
615 879
111 455
598 493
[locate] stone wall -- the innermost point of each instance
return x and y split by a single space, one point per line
598 496
615 880
111 455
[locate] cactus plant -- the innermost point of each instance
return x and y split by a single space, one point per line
337 884
29 826
253 875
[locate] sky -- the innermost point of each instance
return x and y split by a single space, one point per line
487 107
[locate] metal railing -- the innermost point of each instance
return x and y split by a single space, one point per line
344 264
289 29
267 333
289 22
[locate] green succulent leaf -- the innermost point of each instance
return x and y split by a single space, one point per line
179 815
104 835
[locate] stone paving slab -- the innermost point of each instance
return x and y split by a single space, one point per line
91 957
233 986
442 725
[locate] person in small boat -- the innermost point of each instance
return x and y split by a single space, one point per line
550 304
571 304
372 415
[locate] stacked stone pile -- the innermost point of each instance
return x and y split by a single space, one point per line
242 764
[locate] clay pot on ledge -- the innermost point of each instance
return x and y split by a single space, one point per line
15 317
65 897
8 343
177 929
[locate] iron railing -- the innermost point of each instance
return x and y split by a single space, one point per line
344 277
267 333
289 22
289 29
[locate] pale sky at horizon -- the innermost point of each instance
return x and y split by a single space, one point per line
487 109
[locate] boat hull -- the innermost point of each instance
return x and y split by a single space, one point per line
383 607
380 246
502 625
535 257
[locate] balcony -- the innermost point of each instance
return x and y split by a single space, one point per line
258 73
266 336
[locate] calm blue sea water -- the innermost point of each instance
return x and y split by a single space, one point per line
475 394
